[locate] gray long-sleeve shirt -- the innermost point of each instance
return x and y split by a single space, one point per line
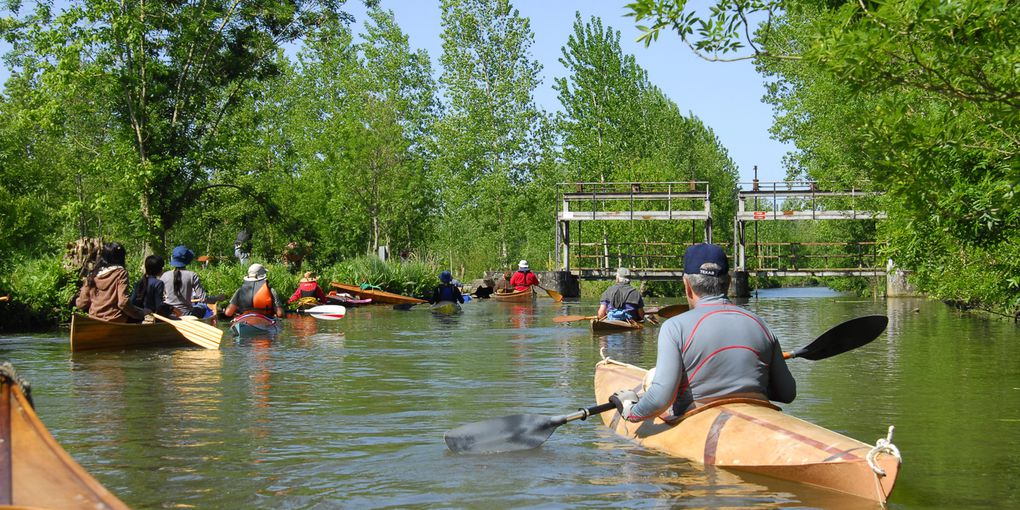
713 350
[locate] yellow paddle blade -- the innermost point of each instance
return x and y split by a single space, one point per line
196 331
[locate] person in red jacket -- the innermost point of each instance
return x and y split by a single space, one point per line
308 287
523 278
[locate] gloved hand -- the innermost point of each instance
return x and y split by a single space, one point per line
624 400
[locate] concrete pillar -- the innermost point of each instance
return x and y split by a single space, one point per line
740 287
896 284
563 282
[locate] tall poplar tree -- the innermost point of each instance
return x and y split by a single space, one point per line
488 149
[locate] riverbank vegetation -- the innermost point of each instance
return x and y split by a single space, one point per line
920 98
165 123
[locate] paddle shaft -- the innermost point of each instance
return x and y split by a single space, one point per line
584 412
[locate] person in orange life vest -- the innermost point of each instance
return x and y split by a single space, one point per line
309 287
255 296
523 278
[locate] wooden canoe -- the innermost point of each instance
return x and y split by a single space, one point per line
755 437
518 296
252 324
35 471
608 325
378 296
88 333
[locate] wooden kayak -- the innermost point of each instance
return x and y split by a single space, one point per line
251 324
517 296
378 296
608 325
446 307
89 333
35 471
756 437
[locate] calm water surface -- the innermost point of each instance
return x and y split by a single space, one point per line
351 413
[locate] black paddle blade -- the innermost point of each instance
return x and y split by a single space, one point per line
506 434
844 337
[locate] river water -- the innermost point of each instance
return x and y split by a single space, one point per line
351 413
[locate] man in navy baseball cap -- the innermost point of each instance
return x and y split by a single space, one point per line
715 350
697 256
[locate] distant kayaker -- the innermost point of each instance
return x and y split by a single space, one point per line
242 247
148 291
621 301
105 293
715 350
308 287
446 291
523 279
255 296
183 288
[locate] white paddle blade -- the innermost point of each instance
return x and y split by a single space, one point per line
327 312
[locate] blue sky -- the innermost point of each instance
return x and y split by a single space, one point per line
726 96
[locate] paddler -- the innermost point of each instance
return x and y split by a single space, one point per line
523 278
715 350
308 287
446 291
621 301
255 296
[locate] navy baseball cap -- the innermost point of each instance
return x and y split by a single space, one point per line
703 253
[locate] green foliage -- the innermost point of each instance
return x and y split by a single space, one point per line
918 98
40 291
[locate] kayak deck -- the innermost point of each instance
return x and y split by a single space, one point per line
254 324
608 325
755 437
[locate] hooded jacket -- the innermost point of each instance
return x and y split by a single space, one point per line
108 297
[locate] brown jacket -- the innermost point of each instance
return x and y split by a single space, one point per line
109 299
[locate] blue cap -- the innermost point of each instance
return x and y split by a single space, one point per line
445 277
181 256
704 253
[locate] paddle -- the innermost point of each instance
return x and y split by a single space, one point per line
511 433
842 337
196 331
552 293
573 318
669 311
526 431
326 312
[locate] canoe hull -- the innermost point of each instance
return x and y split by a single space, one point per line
89 334
753 437
522 296
42 474
608 326
253 324
377 296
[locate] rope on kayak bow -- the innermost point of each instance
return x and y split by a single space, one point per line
883 445
8 373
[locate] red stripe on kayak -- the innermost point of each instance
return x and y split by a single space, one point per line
712 441
797 436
